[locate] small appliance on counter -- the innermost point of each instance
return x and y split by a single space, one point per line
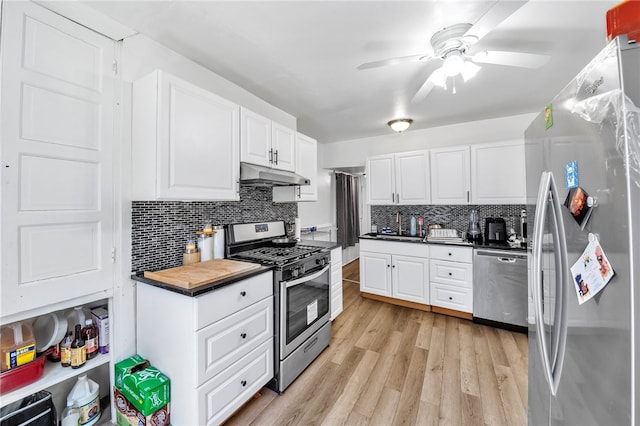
495 231
474 235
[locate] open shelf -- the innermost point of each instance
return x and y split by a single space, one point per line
53 374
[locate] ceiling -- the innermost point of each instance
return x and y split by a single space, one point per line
302 56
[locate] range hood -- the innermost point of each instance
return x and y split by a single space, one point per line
252 175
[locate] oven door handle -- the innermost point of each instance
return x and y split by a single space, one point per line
306 278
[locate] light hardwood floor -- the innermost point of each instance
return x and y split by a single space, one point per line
390 365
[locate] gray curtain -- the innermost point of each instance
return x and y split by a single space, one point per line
348 219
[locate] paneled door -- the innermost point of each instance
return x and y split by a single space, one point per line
58 86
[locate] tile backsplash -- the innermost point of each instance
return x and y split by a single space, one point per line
450 216
160 229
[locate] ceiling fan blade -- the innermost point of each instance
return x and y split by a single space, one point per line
426 87
512 59
500 11
395 61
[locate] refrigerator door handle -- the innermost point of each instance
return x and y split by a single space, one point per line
537 290
560 251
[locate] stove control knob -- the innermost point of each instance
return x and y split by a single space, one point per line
295 272
302 269
322 261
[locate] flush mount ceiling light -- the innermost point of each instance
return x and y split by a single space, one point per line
400 124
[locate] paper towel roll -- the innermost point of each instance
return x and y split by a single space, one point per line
297 223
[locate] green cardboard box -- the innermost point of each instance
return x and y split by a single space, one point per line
127 367
128 415
148 390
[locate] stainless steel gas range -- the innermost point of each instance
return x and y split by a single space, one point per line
301 285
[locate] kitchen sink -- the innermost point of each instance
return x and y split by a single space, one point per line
394 237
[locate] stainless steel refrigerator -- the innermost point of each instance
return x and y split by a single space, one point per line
584 357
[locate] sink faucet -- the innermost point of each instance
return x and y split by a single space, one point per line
399 222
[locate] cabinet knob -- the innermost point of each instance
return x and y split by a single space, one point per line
243 335
243 383
450 274
450 298
449 254
393 266
243 293
388 266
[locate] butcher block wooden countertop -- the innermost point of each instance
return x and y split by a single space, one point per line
201 277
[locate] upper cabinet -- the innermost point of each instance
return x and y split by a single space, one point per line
185 141
265 142
401 178
450 176
57 195
498 173
306 165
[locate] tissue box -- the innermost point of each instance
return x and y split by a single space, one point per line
148 390
128 415
127 366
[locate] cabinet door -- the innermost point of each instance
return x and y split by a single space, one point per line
57 137
307 166
498 173
255 138
410 277
283 143
198 141
375 273
381 184
413 178
450 176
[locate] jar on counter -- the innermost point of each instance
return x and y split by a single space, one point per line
191 254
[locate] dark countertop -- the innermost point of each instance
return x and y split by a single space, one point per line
416 240
329 245
197 291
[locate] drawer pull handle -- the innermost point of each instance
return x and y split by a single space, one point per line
243 335
243 293
243 383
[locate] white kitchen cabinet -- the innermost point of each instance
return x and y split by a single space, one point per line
336 282
451 277
217 348
395 269
498 173
57 193
450 175
185 141
401 178
57 212
265 142
306 165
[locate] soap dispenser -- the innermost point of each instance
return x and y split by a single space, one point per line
413 226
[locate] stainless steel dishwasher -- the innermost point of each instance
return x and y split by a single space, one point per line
500 288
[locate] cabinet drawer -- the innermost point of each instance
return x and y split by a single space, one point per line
225 393
392 247
222 302
336 258
452 297
453 253
223 342
451 273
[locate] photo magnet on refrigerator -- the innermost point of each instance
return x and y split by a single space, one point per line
576 202
571 175
548 117
592 272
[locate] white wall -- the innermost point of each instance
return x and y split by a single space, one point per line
316 213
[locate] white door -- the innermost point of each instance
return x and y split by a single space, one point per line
413 177
255 138
450 176
381 185
58 98
375 273
498 173
283 143
198 143
307 166
410 278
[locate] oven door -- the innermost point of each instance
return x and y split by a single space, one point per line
304 308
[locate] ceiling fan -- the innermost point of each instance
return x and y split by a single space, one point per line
452 45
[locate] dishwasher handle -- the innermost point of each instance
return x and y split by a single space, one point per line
502 255
507 259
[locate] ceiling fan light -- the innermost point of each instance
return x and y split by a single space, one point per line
438 78
453 65
400 124
469 70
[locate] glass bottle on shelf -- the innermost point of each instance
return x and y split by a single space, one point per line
90 336
65 349
78 349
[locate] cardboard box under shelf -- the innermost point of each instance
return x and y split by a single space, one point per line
128 415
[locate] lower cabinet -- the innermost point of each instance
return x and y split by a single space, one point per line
397 270
451 278
217 348
336 282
